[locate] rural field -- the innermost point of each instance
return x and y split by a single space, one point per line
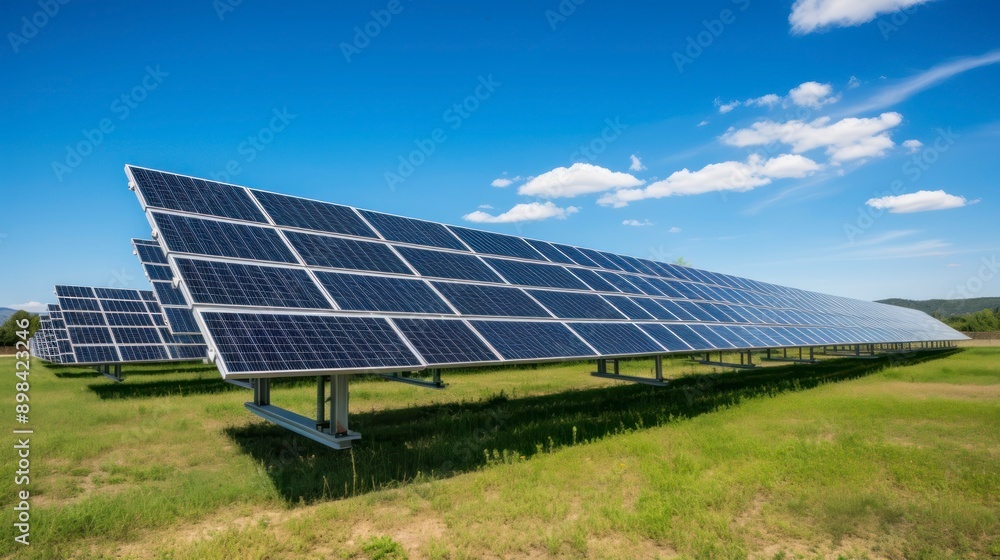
897 457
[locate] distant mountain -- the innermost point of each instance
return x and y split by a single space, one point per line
5 312
946 307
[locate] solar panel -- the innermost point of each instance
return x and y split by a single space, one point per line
358 290
176 309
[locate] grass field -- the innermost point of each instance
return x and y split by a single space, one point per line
890 458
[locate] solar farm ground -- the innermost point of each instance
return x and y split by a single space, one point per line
889 458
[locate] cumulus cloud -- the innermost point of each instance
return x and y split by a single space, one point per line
920 201
526 212
735 176
485 207
578 179
810 15
674 229
504 182
812 94
845 140
31 306
636 163
769 100
636 223
853 82
913 146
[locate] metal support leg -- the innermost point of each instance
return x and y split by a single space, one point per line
658 367
338 405
321 403
617 371
262 392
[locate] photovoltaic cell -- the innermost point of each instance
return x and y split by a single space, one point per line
375 293
247 343
629 307
250 285
654 308
713 338
611 339
168 294
440 341
183 234
593 280
310 214
175 192
439 264
522 340
536 274
472 299
496 244
690 337
667 339
549 251
143 353
417 232
336 252
570 305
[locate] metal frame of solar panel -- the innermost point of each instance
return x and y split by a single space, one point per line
43 343
108 327
64 349
284 286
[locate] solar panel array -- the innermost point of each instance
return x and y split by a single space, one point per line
118 325
176 308
289 286
43 343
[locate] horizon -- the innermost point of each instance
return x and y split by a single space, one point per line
841 153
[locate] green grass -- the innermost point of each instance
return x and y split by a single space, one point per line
890 458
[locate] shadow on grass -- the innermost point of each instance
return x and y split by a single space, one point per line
445 439
165 388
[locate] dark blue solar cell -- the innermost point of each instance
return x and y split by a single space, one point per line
737 334
250 285
439 264
187 352
629 307
183 234
114 305
79 304
576 255
571 305
472 299
314 215
154 308
675 309
763 336
535 274
83 318
644 286
598 258
135 335
665 288
620 262
129 320
616 339
550 252
53 308
158 272
149 254
592 279
496 244
417 232
696 310
181 320
96 354
619 282
198 196
645 266
357 292
662 269
713 338
90 335
667 339
690 337
440 341
143 353
147 295
349 254
250 342
716 312
168 295
524 340
74 291
777 335
654 308
749 336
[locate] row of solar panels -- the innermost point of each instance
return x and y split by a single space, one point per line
289 286
102 326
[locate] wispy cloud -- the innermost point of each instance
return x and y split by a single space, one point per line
32 306
811 15
807 94
897 93
920 201
674 229
504 182
845 140
637 223
532 211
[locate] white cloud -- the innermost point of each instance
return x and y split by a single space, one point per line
527 212
485 207
726 176
953 265
809 15
674 229
845 140
812 94
636 223
769 100
897 93
703 122
32 306
504 182
636 164
853 82
920 201
913 146
578 179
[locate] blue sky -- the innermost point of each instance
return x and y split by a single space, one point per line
847 147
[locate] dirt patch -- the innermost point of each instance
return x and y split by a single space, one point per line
935 390
610 547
